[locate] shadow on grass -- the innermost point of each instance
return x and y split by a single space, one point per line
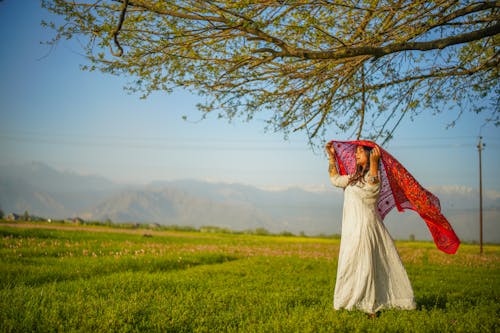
431 301
28 233
34 276
303 302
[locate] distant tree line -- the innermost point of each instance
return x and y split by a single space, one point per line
155 226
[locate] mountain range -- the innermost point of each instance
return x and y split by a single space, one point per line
44 191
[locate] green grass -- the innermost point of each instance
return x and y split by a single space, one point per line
105 280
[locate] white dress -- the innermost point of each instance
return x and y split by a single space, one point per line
370 274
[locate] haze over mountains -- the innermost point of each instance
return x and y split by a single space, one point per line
44 191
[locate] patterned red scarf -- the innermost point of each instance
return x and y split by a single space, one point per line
400 189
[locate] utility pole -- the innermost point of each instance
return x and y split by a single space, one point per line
480 147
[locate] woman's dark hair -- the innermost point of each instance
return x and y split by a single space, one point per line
360 171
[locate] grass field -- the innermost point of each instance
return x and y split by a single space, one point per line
97 279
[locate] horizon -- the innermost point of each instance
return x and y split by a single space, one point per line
44 191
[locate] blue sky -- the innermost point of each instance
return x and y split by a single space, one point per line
53 112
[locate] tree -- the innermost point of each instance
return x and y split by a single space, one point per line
357 66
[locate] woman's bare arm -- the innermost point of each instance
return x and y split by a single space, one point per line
332 169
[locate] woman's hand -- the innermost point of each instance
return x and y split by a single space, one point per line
375 155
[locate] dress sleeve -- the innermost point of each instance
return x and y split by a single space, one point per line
339 181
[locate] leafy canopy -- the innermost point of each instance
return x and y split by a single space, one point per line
358 67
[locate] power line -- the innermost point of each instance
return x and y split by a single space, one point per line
166 143
190 145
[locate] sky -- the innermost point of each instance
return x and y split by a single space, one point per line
53 112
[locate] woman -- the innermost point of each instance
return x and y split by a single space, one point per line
370 274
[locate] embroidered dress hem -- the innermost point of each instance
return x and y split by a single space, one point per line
402 304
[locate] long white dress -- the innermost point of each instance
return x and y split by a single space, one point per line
370 274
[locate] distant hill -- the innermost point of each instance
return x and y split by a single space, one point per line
291 209
169 206
41 190
18 196
42 176
45 191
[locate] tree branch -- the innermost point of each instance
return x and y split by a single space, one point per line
363 103
396 47
115 32
440 73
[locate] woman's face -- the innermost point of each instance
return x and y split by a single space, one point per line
361 156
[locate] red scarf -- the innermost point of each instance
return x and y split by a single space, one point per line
400 189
